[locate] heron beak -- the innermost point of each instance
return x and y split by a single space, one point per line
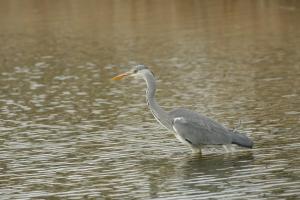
120 76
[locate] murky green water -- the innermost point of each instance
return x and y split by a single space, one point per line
67 131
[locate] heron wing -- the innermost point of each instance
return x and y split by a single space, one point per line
198 129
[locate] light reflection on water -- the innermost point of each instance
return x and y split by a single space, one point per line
68 131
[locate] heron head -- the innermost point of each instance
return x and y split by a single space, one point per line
137 72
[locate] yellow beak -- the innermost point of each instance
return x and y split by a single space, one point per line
120 76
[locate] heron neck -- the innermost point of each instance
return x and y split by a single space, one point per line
160 114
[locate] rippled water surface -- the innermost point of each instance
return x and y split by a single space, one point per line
69 132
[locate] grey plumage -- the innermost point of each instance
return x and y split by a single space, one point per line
199 130
191 128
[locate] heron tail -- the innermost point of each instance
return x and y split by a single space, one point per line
241 140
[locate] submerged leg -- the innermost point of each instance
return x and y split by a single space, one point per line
226 148
196 150
229 148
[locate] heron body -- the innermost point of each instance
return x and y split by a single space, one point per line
190 128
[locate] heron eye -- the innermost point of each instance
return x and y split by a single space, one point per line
135 71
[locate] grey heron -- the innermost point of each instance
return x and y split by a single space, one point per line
190 128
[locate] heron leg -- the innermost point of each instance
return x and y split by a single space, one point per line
228 148
196 150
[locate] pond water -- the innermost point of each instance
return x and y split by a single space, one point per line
69 132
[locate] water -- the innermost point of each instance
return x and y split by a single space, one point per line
68 131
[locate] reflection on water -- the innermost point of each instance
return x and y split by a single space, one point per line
67 131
